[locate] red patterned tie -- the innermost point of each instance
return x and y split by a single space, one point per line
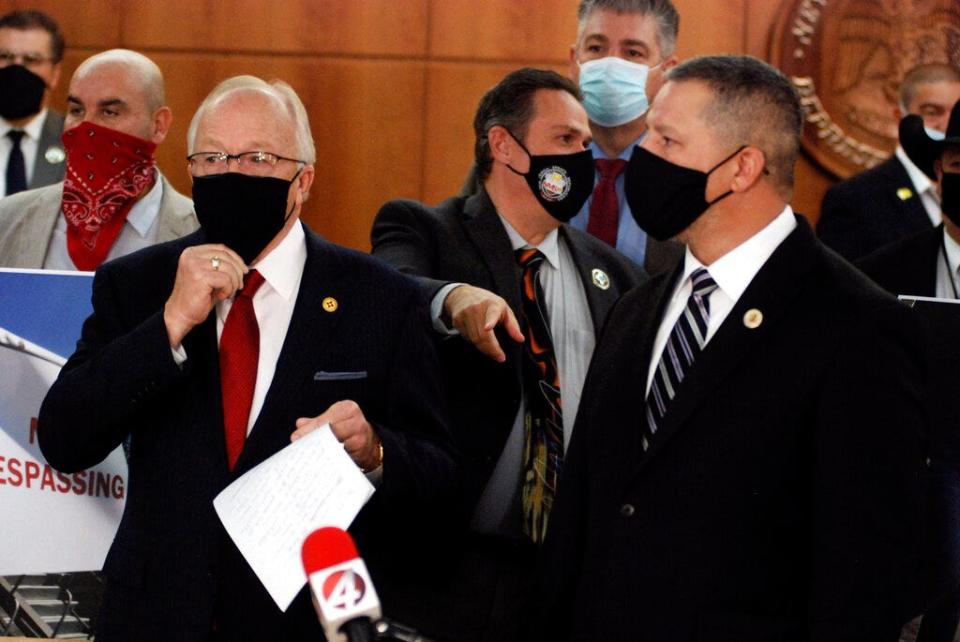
604 208
239 352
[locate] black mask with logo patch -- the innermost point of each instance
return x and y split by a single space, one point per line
562 183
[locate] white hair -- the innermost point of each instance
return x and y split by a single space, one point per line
138 65
276 89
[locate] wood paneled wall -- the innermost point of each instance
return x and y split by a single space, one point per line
390 85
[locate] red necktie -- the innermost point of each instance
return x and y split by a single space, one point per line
604 208
239 352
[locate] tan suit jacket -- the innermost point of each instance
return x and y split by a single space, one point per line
27 221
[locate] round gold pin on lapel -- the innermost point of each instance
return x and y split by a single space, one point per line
753 318
600 279
904 193
330 304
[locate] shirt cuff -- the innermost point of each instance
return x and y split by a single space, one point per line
436 310
179 355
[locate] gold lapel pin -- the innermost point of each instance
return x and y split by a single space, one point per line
600 279
753 318
904 193
330 304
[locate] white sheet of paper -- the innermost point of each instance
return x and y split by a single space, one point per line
271 509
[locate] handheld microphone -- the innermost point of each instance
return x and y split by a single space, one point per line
343 592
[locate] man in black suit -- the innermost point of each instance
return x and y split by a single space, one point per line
895 199
927 264
211 351
531 137
746 461
31 52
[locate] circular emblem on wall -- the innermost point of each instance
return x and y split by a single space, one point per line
847 57
554 183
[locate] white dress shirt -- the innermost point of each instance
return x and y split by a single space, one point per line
138 231
572 333
28 145
924 187
947 272
732 273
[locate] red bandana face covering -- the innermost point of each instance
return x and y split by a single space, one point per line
107 171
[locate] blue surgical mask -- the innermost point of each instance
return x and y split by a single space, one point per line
614 90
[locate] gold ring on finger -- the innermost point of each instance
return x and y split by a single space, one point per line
215 262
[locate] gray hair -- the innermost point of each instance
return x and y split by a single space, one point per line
279 90
923 74
138 65
663 12
753 104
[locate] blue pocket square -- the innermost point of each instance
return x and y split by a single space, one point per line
323 375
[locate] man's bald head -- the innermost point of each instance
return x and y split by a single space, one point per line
136 65
276 100
122 90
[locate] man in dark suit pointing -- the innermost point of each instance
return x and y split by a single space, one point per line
746 460
518 298
213 351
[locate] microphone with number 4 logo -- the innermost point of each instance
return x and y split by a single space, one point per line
342 590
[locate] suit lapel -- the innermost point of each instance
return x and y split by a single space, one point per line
599 298
204 356
485 229
172 222
914 213
309 331
39 224
771 292
44 171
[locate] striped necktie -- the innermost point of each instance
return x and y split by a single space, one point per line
686 341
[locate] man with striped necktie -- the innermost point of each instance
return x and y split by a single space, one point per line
746 461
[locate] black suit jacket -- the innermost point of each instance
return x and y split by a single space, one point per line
864 213
172 569
463 240
778 500
908 266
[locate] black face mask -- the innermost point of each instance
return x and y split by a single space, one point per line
950 197
21 92
666 198
242 212
562 183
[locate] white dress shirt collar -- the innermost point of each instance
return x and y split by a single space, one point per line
548 246
283 267
734 270
921 182
32 129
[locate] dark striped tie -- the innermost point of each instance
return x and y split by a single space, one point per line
543 419
684 344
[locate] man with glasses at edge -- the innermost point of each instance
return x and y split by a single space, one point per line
31 51
214 351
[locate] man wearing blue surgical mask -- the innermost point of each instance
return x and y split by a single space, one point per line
623 48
